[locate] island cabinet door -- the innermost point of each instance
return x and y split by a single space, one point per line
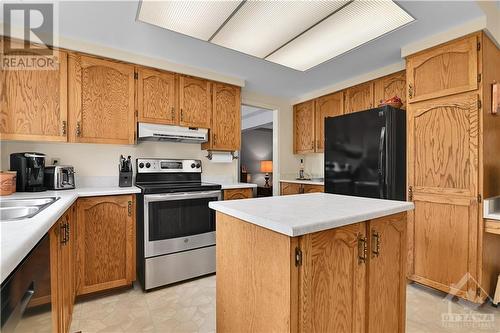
332 280
386 274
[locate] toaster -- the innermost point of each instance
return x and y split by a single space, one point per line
59 177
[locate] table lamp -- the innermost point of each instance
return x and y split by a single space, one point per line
267 167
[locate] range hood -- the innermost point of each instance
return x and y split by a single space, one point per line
154 132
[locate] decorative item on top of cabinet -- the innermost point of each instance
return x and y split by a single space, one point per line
225 131
157 96
195 102
390 86
238 193
33 102
303 127
105 243
62 270
443 70
326 106
359 98
101 100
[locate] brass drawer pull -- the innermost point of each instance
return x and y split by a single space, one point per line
78 129
64 127
362 249
376 238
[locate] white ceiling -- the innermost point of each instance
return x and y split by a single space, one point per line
113 24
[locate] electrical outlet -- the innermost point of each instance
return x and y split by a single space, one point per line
55 160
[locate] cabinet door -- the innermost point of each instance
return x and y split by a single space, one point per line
307 188
359 98
101 101
290 188
225 133
195 102
332 281
157 97
240 193
303 127
443 70
106 243
386 274
326 106
33 102
390 86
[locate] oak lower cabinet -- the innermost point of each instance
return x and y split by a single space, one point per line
105 243
62 270
237 193
296 188
33 102
346 279
101 100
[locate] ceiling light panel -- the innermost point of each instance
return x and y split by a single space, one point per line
350 27
260 27
199 19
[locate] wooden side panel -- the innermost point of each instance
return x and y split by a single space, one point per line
390 86
332 281
33 103
238 193
359 98
443 145
326 106
101 101
303 128
55 280
445 242
444 70
290 188
106 243
257 294
307 188
386 275
225 133
157 96
491 263
195 102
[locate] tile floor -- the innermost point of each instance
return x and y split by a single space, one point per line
190 307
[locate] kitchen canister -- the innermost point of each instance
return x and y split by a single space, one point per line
7 182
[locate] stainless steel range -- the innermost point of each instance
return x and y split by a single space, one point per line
175 227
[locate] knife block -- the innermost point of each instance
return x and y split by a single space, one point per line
125 179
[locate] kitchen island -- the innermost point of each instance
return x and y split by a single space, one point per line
311 263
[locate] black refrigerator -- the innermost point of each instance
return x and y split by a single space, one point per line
365 154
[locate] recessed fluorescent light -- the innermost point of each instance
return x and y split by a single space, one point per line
199 19
260 27
350 27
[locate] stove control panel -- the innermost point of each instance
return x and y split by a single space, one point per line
159 165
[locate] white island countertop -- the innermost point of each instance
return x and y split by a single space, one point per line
301 214
18 237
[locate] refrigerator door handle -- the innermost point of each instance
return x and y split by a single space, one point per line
381 163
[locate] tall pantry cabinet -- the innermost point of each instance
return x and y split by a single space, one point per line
452 138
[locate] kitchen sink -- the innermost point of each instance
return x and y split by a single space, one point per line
18 209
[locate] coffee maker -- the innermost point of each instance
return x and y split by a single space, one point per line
30 169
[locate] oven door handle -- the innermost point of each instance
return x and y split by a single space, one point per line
181 196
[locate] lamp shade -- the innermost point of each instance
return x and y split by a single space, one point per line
266 166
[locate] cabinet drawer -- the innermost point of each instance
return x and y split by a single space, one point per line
238 193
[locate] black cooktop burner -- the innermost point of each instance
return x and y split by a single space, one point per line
156 188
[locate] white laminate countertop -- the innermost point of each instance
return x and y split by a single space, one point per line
303 181
230 186
301 214
17 238
492 208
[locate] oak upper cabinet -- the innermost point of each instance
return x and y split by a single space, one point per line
62 268
238 193
390 86
101 100
225 131
303 127
443 183
33 103
359 98
105 243
195 102
387 274
327 106
446 69
332 281
157 97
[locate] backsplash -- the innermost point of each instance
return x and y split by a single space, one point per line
97 164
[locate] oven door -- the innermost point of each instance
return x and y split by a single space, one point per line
177 222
